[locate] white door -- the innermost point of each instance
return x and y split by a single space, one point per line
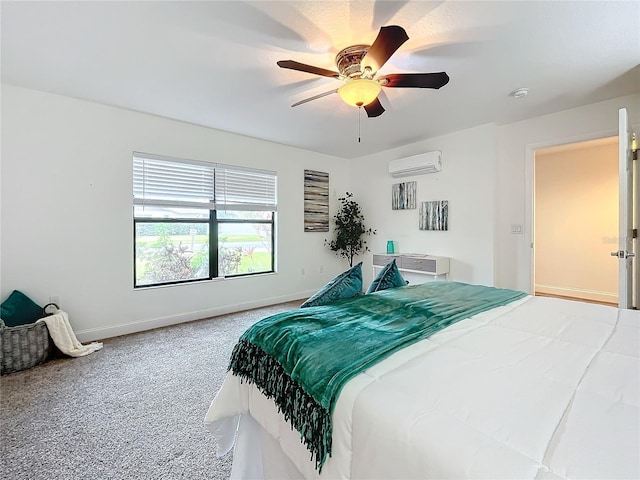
636 221
625 236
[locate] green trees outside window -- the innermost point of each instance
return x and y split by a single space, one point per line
179 250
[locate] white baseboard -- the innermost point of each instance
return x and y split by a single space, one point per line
596 295
149 324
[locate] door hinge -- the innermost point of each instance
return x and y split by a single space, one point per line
634 233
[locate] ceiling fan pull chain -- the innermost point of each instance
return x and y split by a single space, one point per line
359 115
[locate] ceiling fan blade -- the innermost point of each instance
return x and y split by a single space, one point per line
414 80
315 97
386 43
374 109
293 65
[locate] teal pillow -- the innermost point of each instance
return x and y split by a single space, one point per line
389 277
19 309
346 285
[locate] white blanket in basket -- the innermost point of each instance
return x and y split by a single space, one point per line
64 338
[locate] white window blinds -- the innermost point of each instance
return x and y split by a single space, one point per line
163 181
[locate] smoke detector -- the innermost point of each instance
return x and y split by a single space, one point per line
519 93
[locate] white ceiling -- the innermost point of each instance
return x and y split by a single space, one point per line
214 63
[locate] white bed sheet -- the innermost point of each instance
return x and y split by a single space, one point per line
539 389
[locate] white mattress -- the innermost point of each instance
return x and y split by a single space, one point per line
540 388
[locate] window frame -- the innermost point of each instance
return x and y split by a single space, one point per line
265 204
271 222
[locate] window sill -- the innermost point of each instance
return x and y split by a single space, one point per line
200 282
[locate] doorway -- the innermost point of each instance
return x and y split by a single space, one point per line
575 224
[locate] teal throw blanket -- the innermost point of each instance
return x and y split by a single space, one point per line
302 358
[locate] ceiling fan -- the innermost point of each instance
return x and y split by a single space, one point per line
357 67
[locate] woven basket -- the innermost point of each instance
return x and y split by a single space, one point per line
23 347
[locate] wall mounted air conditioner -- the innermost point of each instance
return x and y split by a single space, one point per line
429 162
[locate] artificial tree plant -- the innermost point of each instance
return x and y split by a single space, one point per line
349 230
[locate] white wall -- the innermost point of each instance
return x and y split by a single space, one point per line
467 181
487 178
66 191
515 145
65 204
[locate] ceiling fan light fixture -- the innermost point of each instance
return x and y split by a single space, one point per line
358 66
359 92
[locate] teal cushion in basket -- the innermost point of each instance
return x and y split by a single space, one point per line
346 285
389 277
19 309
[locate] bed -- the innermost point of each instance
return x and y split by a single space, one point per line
528 388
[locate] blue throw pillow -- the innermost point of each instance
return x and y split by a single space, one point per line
19 309
389 277
345 285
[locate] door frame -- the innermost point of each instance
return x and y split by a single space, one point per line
530 149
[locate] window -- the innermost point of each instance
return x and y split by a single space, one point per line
198 221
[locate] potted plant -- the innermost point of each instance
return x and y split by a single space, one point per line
349 230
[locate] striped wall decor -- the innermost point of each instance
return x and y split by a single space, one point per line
434 215
403 196
316 201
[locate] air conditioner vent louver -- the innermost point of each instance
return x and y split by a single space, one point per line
429 162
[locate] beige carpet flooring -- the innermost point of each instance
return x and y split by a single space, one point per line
133 410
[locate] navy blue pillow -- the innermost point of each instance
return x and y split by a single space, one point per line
389 277
346 285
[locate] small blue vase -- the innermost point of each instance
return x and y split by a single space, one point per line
390 246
